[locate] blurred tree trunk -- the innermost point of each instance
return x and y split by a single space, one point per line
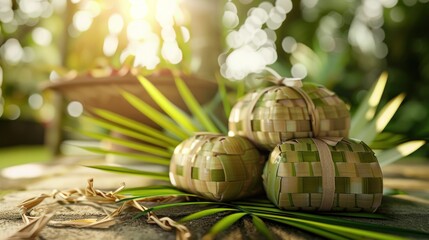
206 33
54 131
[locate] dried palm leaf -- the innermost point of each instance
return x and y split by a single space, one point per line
96 198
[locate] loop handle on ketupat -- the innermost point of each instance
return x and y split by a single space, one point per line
295 84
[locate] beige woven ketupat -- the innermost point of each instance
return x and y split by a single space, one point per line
309 174
279 113
217 167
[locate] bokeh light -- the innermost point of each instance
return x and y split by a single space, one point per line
12 51
12 111
42 36
35 101
251 46
75 109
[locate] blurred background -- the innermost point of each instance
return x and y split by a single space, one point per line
344 45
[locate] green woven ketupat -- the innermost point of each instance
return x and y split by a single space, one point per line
276 114
217 167
293 176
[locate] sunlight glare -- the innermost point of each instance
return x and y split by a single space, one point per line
42 36
12 51
138 29
185 34
82 20
115 23
165 11
23 171
138 9
110 45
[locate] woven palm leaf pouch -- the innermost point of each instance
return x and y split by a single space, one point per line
217 167
323 175
276 114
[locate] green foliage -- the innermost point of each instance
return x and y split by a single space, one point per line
194 106
367 124
174 112
126 123
224 224
261 210
156 147
205 213
19 155
153 175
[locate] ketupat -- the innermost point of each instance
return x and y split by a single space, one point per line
280 113
324 175
217 167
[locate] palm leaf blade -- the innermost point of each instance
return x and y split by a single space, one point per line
261 227
366 109
318 231
376 126
118 119
162 152
126 132
224 224
167 106
154 175
275 212
194 106
135 156
155 115
373 234
224 95
171 205
205 213
389 156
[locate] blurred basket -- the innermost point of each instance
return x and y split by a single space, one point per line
295 177
276 114
105 92
217 167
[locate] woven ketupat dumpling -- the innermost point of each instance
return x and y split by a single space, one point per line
217 167
295 178
276 114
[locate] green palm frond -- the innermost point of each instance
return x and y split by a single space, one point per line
143 158
261 210
391 155
156 147
367 125
157 151
174 112
379 122
127 123
125 132
153 175
366 110
161 119
224 224
152 145
194 106
262 227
